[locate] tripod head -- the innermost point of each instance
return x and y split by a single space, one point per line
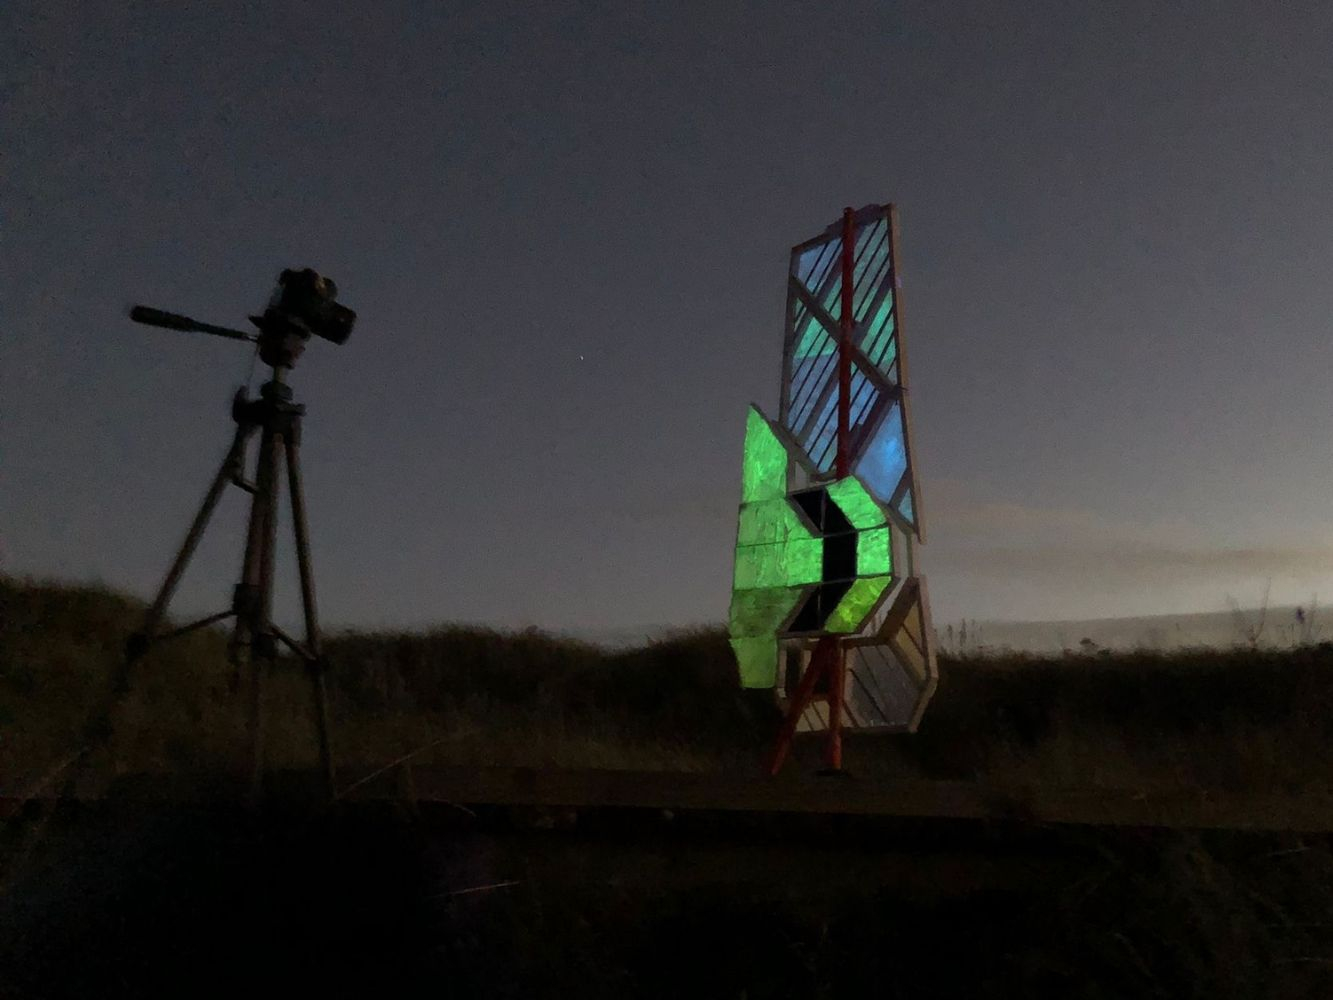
303 304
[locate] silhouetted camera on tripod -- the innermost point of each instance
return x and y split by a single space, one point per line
303 305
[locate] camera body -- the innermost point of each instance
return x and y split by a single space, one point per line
311 299
304 303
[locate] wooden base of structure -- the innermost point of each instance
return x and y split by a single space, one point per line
828 663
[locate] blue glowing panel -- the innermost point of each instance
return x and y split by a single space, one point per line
884 460
880 451
872 258
809 404
818 436
905 508
820 443
807 262
863 397
813 265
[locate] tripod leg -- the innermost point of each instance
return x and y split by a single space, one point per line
312 638
254 595
97 728
226 471
246 601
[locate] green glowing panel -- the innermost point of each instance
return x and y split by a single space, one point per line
774 547
760 567
855 501
762 612
857 603
757 657
874 552
764 473
765 522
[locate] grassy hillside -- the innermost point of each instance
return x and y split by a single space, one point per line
480 695
1217 719
130 902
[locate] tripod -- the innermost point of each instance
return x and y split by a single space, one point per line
255 637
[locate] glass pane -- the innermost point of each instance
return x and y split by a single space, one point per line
856 503
882 464
905 508
874 552
764 468
757 658
856 605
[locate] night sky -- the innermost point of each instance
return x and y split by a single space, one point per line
565 229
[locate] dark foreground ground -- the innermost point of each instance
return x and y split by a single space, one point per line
123 901
411 899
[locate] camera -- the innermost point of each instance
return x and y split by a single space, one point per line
304 304
308 299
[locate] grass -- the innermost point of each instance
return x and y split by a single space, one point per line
484 696
144 899
1214 718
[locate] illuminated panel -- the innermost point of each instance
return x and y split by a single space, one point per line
764 468
779 564
884 461
809 410
778 556
812 265
891 676
757 658
856 503
891 672
754 612
877 340
857 604
874 552
872 257
756 618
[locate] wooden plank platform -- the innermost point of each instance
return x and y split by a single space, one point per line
1307 809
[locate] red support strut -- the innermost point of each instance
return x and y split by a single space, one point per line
825 650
